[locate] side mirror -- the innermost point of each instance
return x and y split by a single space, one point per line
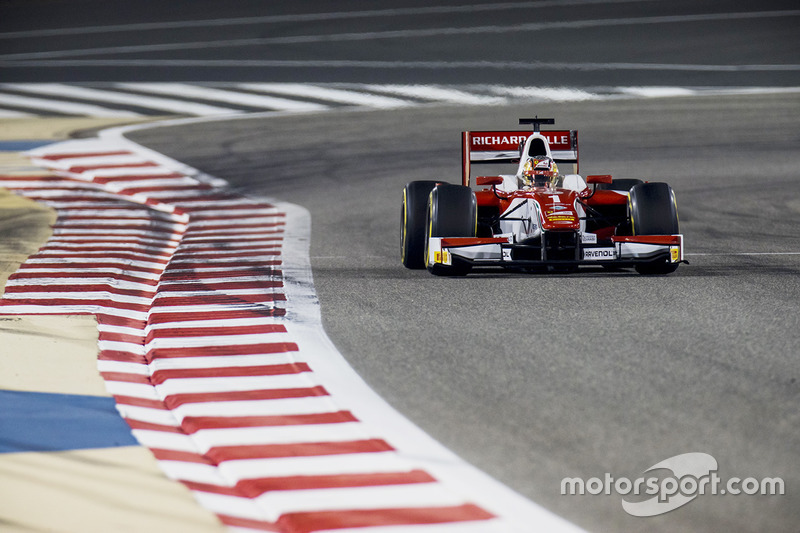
602 178
488 180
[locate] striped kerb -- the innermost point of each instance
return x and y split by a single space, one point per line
186 281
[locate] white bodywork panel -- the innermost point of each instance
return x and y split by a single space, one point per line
494 252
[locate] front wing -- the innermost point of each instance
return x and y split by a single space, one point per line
499 252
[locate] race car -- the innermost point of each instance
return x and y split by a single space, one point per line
538 219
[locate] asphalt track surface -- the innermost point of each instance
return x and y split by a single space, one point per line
535 378
544 43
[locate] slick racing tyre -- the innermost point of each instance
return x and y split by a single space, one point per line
653 211
622 184
412 223
452 212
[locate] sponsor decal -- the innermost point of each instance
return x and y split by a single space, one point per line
442 257
675 254
599 254
588 238
509 140
690 475
494 141
560 218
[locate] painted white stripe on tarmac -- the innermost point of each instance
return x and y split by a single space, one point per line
266 218
71 309
266 241
123 367
65 108
134 390
276 503
439 94
77 205
231 384
210 254
119 330
122 346
197 235
230 97
205 439
109 281
162 417
111 272
329 94
100 297
321 465
171 106
433 65
110 233
340 464
116 213
206 308
218 340
112 241
163 440
304 17
276 407
111 247
225 361
255 291
558 94
395 34
99 260
196 362
196 472
228 322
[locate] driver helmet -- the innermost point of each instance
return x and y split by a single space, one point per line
539 171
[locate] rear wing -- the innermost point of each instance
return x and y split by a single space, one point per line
505 147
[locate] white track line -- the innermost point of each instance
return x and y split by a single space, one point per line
308 17
169 105
557 94
441 94
329 94
407 34
67 108
186 90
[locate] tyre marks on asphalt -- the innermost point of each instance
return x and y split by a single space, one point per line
209 361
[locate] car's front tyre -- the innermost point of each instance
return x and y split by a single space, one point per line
452 212
412 223
652 210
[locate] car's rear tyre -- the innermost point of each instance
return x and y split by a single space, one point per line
652 210
452 212
622 184
412 222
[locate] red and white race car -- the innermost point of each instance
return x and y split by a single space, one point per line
538 219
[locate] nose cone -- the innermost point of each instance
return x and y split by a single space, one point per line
558 209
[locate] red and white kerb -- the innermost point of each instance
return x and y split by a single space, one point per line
219 369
